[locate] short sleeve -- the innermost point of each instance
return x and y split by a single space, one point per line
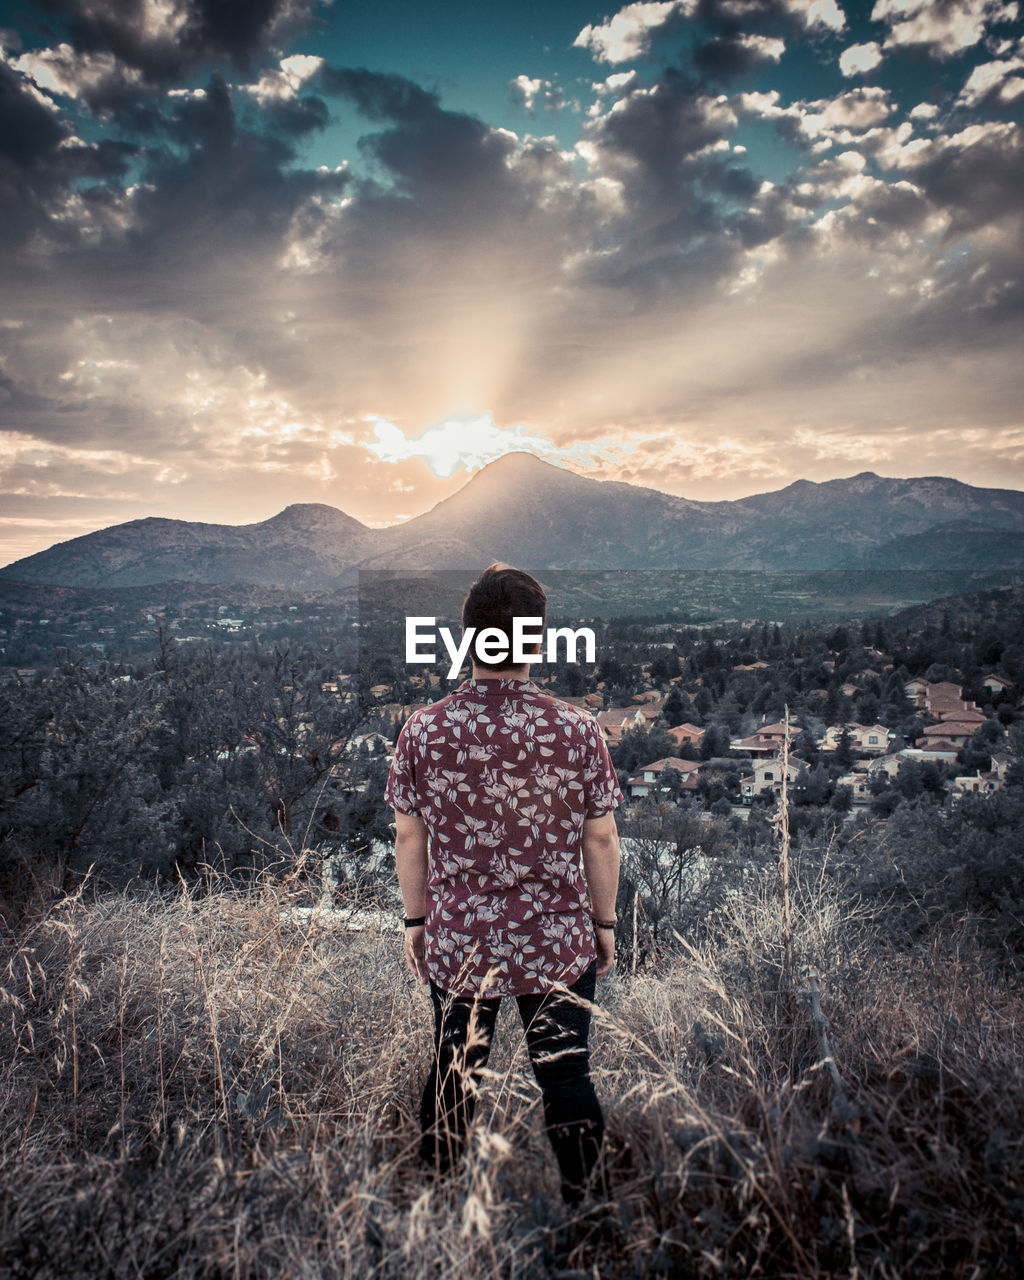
602 791
400 791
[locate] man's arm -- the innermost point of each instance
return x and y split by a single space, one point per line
411 865
601 871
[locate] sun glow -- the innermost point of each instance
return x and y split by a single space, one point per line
469 442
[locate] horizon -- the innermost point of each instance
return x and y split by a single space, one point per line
351 257
288 506
476 472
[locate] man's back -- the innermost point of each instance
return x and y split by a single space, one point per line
503 777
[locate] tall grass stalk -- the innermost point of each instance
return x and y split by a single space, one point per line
215 1084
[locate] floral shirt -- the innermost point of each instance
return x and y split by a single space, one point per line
503 776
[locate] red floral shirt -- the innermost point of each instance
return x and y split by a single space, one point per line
503 777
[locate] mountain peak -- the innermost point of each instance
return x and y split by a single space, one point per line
518 463
312 515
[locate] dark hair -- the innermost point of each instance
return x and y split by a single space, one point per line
500 594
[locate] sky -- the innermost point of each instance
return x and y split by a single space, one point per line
296 251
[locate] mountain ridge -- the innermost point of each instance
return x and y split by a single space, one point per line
525 510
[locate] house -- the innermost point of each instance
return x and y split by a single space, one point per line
767 773
940 752
975 784
951 731
766 741
883 764
858 781
964 715
997 684
616 720
686 733
871 739
652 776
943 698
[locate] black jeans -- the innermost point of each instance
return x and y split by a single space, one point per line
557 1028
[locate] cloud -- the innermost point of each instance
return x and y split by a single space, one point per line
942 27
616 83
627 34
824 122
284 82
96 78
993 83
164 39
859 59
817 13
732 55
530 92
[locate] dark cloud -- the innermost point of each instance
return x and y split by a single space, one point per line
184 34
430 154
227 196
295 117
978 178
378 96
655 132
40 159
725 58
29 130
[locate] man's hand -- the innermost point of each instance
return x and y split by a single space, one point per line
414 944
411 865
601 869
605 941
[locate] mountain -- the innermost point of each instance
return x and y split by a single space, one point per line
529 512
305 546
526 511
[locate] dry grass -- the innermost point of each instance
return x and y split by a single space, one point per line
207 1086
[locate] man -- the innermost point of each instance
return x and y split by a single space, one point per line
508 861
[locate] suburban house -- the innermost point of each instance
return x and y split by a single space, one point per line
871 739
616 720
686 733
980 783
766 773
857 781
997 684
954 732
940 752
941 699
766 741
652 776
964 715
885 764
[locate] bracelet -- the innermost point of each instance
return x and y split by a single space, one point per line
413 922
604 924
